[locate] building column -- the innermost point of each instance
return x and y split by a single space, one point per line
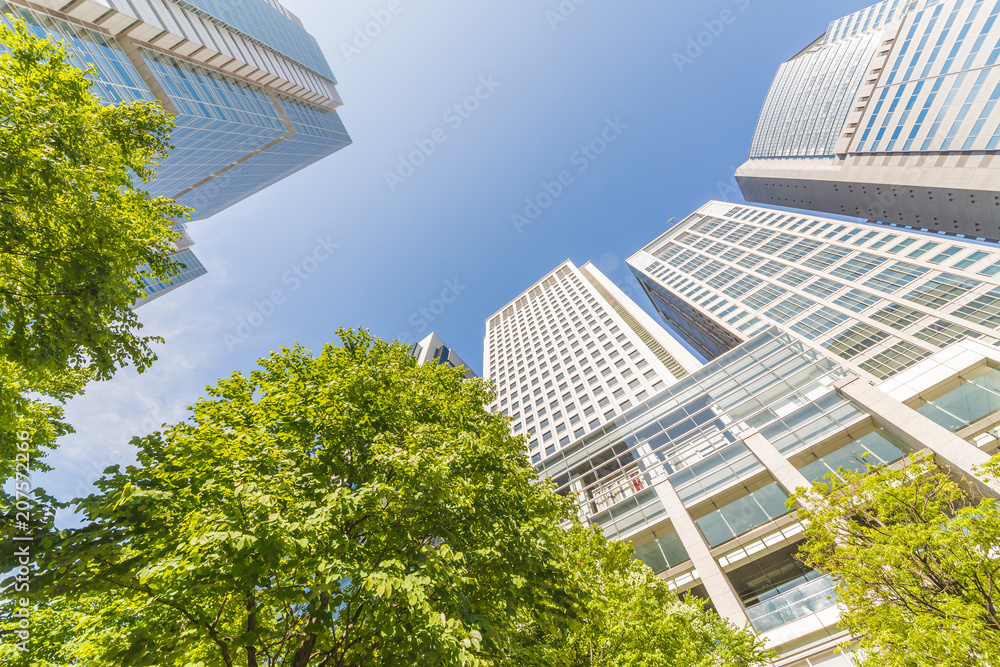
916 430
781 470
719 588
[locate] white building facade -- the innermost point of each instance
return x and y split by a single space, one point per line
571 354
694 464
879 299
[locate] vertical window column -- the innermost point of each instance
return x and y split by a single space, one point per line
781 470
720 589
914 429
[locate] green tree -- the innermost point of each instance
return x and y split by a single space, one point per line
352 508
915 556
634 620
77 233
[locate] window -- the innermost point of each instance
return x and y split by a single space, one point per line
972 259
984 310
743 286
725 278
795 277
823 288
884 241
906 243
815 325
991 270
942 290
789 308
923 250
856 300
855 340
764 296
772 268
897 316
858 266
743 515
799 250
826 258
947 254
897 358
942 333
896 277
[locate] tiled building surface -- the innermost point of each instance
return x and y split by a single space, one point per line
573 353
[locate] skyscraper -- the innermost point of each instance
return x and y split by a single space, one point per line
694 464
432 348
878 299
892 116
697 477
571 354
253 97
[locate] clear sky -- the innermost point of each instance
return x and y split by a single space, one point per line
535 80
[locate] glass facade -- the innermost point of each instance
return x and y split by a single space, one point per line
266 25
691 435
191 268
937 91
976 397
877 448
231 138
778 589
317 135
809 101
116 79
220 120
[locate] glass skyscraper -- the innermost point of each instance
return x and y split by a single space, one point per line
891 116
253 97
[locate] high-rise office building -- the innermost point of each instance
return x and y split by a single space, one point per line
878 299
571 354
432 348
891 116
694 464
253 97
697 476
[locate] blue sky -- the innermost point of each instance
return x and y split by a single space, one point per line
548 83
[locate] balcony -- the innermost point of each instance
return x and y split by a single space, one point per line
799 602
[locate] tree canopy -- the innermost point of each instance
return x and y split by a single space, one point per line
915 555
635 620
352 508
77 232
